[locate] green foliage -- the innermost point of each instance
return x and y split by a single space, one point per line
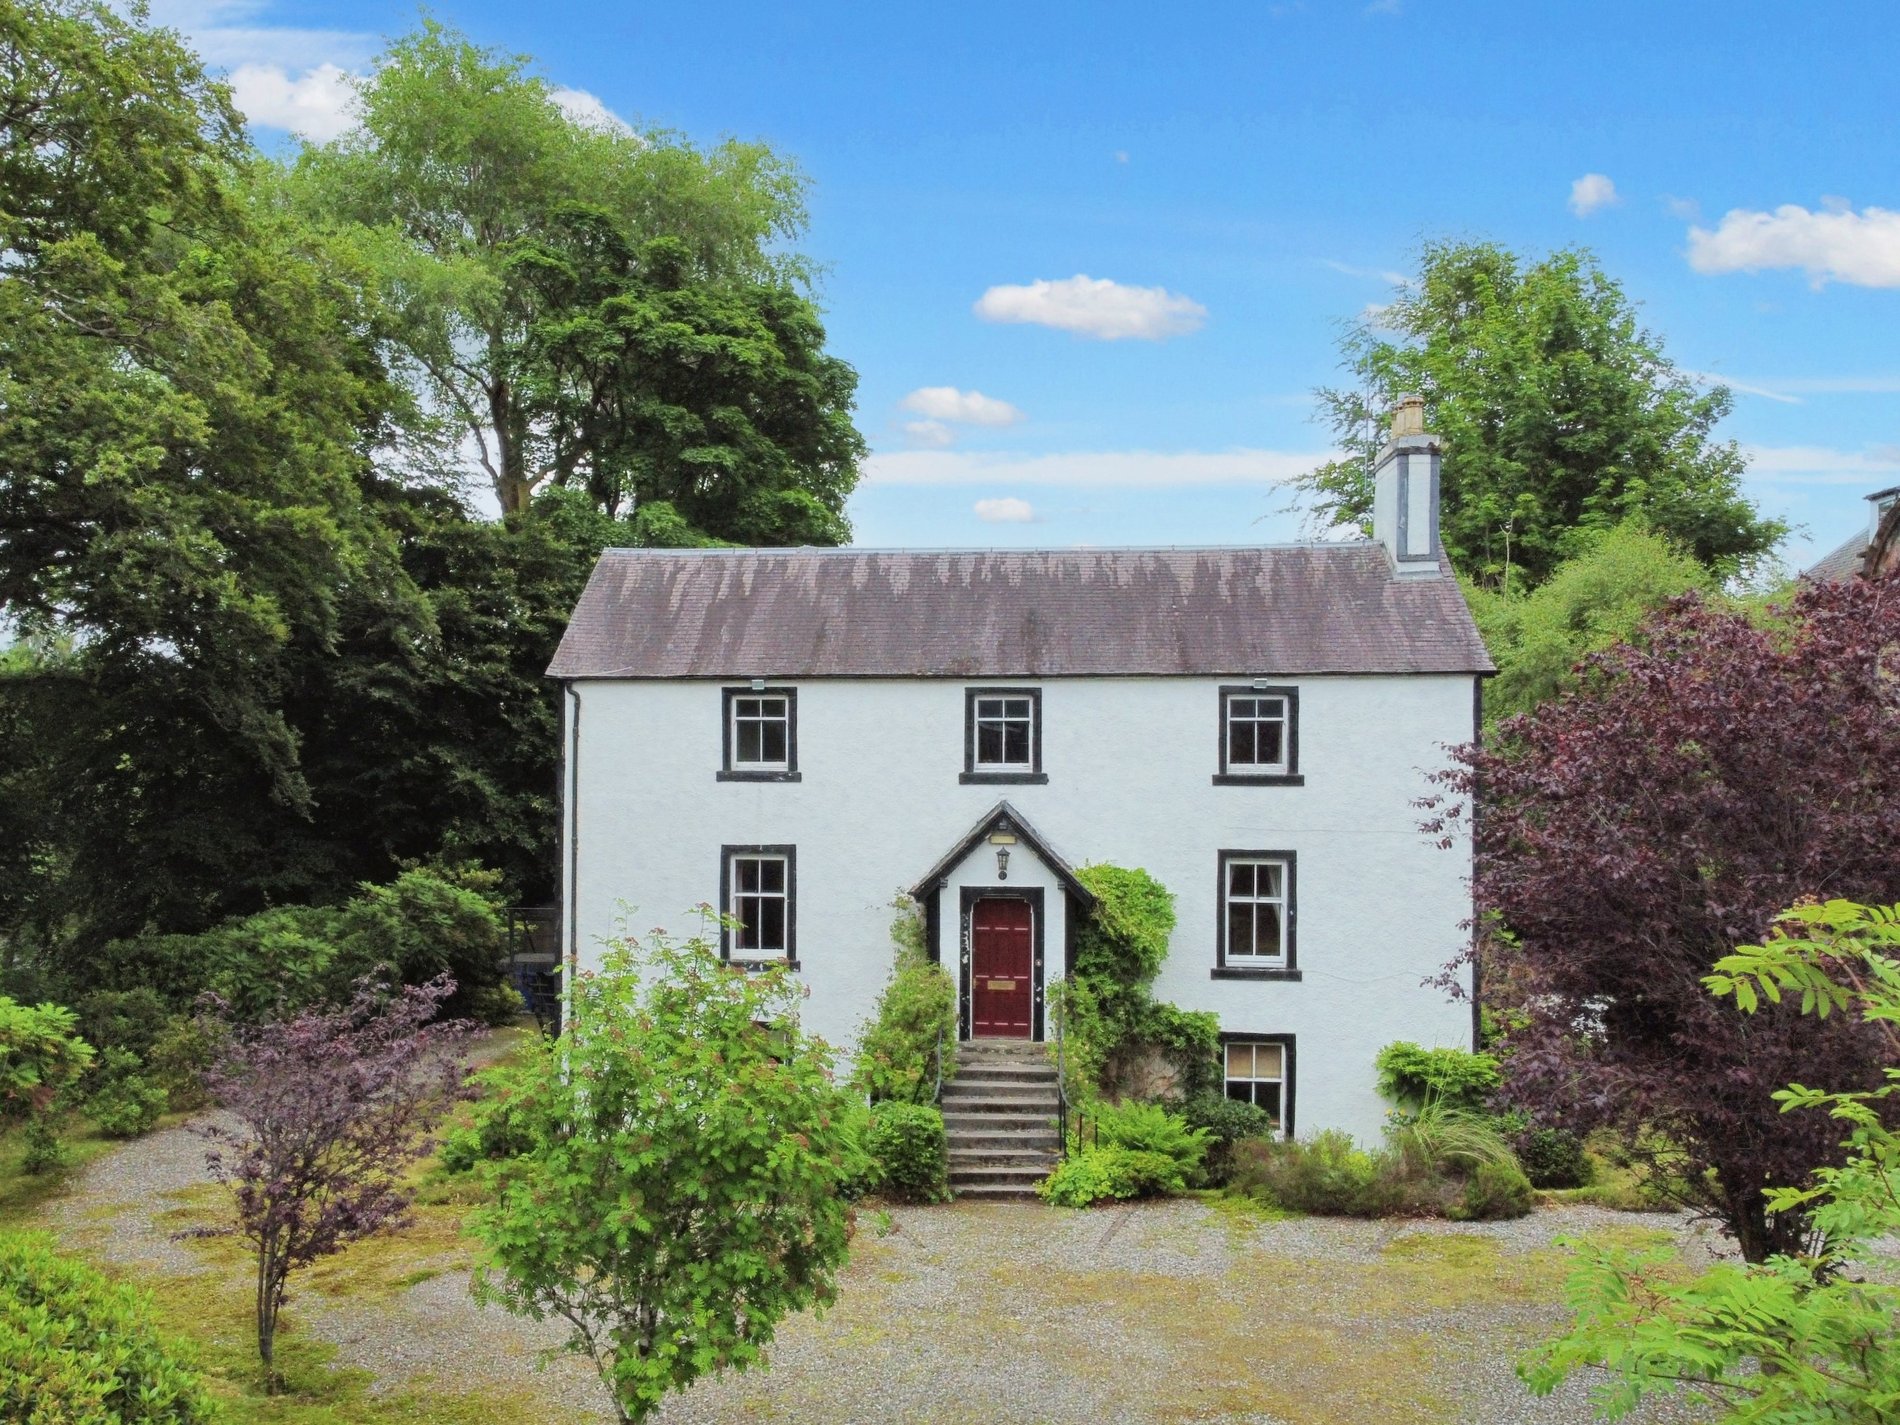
426 922
41 1057
1110 1173
683 1184
1554 1158
181 1057
1457 1078
1560 415
123 1102
131 1020
906 1142
79 1349
1597 597
193 398
1107 1015
1793 1340
916 1020
1494 1191
1226 1122
1442 1136
1325 1174
1150 1128
502 231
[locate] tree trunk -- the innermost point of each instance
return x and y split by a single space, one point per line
266 1320
512 486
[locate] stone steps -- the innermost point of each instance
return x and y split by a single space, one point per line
999 1117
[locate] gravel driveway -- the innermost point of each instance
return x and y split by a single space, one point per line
1012 1313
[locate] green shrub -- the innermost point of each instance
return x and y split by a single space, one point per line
498 1131
1189 1038
1150 1128
1413 1077
79 1349
1227 1122
916 1015
123 1102
906 1142
1493 1191
41 1060
1554 1158
181 1057
1440 1138
131 1020
424 923
1110 1173
1329 1175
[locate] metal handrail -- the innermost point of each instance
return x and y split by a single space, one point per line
939 1094
1062 1082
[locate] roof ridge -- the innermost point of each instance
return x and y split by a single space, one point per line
838 549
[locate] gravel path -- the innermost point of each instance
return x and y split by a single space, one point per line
1167 1312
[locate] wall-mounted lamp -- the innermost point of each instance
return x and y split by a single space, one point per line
1002 840
758 685
1260 685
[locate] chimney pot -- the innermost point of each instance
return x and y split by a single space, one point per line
1408 418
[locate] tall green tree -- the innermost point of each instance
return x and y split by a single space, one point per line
1561 415
463 162
189 399
1600 596
714 400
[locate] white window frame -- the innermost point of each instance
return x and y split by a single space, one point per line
1282 903
784 717
1028 721
737 896
1284 720
1252 1046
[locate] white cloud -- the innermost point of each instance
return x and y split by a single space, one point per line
973 408
588 111
1747 388
1687 209
1094 307
1822 465
932 433
1832 242
225 35
1004 510
1377 274
1122 469
318 106
1591 192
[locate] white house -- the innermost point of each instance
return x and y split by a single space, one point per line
800 735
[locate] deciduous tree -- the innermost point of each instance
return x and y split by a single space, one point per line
1559 414
1636 829
332 1105
1797 1340
678 1185
462 160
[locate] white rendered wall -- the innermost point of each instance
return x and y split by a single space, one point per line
1129 761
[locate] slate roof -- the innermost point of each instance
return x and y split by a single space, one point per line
841 613
1842 563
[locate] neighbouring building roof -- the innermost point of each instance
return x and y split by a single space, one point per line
1841 563
817 613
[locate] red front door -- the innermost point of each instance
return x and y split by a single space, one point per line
999 969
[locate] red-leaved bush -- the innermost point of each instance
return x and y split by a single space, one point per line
1631 833
332 1105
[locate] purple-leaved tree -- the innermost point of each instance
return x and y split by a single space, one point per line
332 1105
1636 830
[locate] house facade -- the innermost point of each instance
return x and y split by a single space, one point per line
800 737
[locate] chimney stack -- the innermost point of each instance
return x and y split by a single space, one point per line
1405 493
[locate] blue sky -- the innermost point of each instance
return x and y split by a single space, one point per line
1233 181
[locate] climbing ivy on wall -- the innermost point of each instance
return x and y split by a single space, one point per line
1110 1019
